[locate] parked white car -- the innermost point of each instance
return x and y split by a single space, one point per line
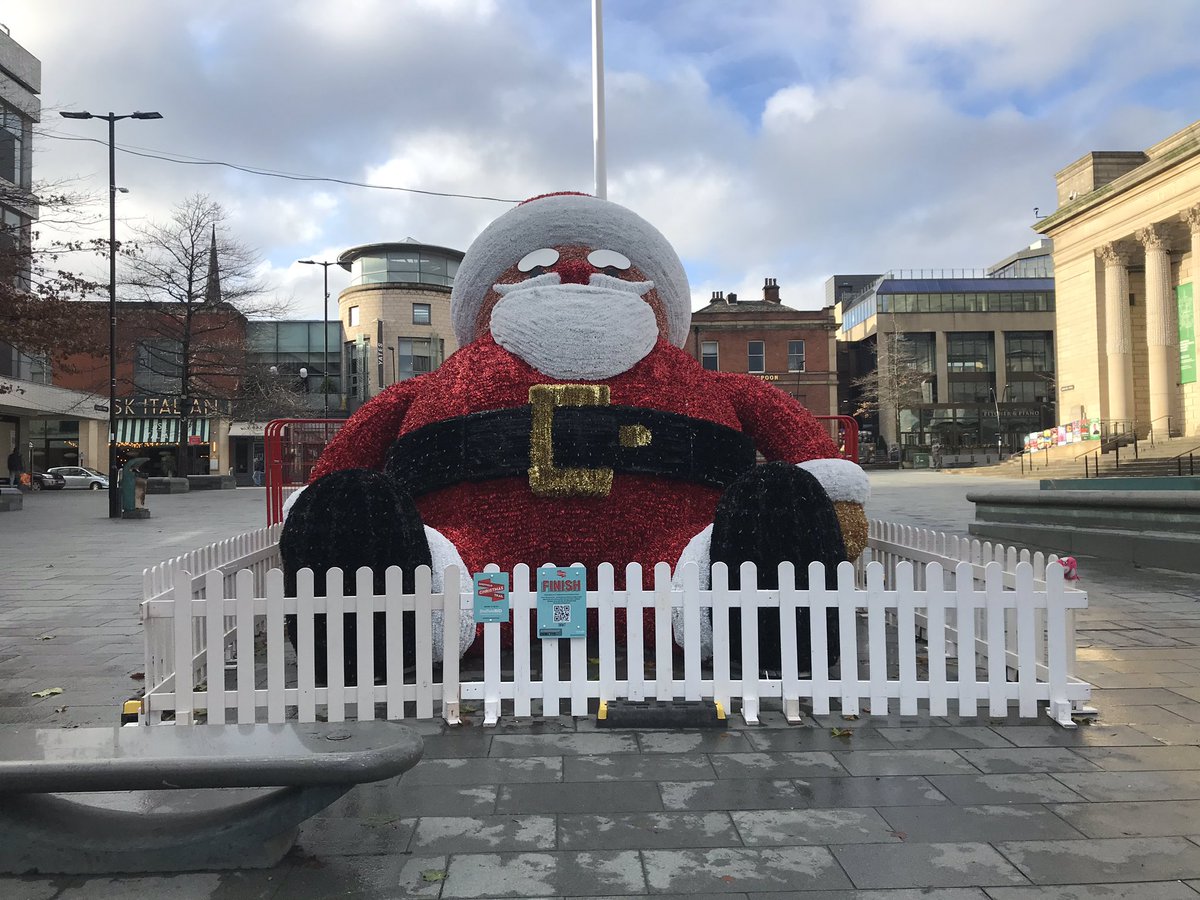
80 477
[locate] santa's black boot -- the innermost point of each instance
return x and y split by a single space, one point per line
774 513
348 519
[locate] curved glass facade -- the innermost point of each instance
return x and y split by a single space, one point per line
415 266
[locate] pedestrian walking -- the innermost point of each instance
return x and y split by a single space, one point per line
257 473
15 467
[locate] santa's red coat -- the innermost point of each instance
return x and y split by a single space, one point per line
645 519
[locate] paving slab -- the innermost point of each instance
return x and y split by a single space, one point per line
947 737
1142 759
957 864
786 827
776 765
905 762
1104 860
631 767
643 831
1028 759
1143 890
931 824
742 870
483 834
577 797
1132 785
1153 818
460 771
563 873
978 790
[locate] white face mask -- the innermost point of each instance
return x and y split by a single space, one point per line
584 332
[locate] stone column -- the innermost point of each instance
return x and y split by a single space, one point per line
1118 341
1162 330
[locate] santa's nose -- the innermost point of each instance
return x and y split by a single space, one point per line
574 271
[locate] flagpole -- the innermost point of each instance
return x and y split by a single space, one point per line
598 100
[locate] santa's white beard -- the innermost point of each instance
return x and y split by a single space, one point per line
584 332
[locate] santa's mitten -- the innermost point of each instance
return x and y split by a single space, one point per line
348 519
775 513
849 488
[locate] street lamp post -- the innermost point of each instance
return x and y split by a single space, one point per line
324 327
114 500
999 434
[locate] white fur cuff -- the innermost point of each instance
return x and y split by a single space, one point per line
841 478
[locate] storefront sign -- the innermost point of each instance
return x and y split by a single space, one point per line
561 602
162 407
1187 334
491 596
768 377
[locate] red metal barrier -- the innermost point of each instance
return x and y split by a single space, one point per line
293 446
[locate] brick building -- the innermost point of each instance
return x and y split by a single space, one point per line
149 373
793 349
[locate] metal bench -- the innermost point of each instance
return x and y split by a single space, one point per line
168 815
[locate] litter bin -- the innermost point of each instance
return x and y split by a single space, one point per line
920 460
133 490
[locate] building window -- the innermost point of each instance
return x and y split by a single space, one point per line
11 145
970 351
354 317
708 355
158 367
795 356
1029 351
421 314
755 357
357 381
413 357
406 265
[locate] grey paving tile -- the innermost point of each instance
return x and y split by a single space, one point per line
1142 759
1133 696
852 791
788 827
959 864
927 824
776 765
584 874
740 793
1028 759
1108 680
1140 715
1152 818
729 870
950 737
647 831
596 743
1143 890
982 790
635 767
186 886
1132 785
1184 733
1084 736
392 799
460 743
462 771
682 742
1104 860
861 737
578 797
345 836
905 762
483 834
374 877
902 894
1187 709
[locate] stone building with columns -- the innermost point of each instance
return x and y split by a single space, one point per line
1126 257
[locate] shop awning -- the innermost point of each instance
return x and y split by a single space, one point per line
158 431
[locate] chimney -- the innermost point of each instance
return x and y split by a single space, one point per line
732 298
718 297
770 291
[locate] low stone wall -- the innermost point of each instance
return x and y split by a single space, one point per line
212 482
1149 483
1160 529
167 486
11 499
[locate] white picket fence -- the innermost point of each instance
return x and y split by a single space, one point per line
926 619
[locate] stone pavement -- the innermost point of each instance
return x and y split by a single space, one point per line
948 809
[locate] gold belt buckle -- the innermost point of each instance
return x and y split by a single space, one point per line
545 478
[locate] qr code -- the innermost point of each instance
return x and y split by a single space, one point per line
562 613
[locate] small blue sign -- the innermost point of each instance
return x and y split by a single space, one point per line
491 596
562 602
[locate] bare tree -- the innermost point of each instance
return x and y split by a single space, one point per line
38 284
264 394
897 380
198 284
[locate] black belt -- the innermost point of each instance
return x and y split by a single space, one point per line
569 442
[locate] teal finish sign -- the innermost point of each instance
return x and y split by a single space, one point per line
1187 333
491 596
561 602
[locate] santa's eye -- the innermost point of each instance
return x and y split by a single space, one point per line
609 259
543 258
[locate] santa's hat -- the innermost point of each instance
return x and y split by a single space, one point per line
554 220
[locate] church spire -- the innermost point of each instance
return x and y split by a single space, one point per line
212 290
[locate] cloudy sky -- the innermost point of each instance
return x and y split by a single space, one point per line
785 139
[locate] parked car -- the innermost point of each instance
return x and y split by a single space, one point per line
46 481
81 477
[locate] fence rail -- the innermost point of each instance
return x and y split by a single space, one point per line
928 618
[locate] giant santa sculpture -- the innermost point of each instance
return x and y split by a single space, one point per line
571 426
